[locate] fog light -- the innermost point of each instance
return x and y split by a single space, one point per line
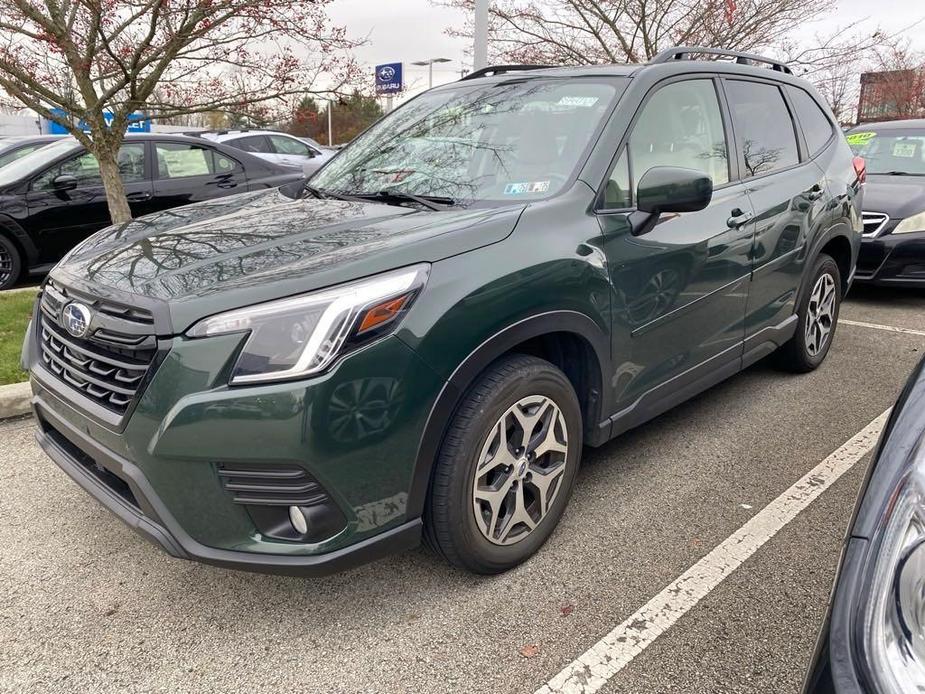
298 520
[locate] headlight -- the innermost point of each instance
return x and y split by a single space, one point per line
302 335
914 223
892 610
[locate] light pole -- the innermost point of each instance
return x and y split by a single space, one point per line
480 46
430 68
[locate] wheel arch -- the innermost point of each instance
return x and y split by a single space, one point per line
10 229
568 339
836 242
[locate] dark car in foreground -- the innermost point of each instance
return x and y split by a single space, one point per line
53 198
893 247
874 637
499 272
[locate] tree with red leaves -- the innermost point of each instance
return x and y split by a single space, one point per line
100 61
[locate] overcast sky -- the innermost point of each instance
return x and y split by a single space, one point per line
409 30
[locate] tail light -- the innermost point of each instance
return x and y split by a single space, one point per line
860 168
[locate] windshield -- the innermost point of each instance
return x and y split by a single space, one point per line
509 141
890 151
35 161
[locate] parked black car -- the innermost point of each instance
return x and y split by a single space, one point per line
893 246
18 146
53 198
874 637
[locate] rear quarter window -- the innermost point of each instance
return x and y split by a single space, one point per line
817 128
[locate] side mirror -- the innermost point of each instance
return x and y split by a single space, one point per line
673 189
64 182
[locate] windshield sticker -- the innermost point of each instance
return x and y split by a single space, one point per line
860 138
580 101
904 149
526 188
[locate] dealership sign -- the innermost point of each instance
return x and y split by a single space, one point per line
389 78
137 123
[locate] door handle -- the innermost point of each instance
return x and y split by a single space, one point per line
138 197
739 218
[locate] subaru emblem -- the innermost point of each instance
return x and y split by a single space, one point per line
76 319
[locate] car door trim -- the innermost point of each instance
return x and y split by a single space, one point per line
681 310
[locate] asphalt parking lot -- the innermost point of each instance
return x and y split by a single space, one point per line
89 606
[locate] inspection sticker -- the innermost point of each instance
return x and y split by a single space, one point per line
581 101
860 138
904 149
524 188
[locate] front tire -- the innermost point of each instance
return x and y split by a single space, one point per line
507 466
10 263
817 319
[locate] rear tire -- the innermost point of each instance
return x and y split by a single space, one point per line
506 468
10 263
817 319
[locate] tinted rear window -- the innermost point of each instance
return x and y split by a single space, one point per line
817 128
764 129
252 143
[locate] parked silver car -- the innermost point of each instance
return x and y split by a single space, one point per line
280 148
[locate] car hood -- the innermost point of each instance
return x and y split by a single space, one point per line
896 196
208 257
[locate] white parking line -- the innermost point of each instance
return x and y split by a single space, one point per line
877 326
591 671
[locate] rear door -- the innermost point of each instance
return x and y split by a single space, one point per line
789 194
680 289
59 219
190 172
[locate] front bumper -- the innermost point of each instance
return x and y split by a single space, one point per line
88 464
354 432
896 260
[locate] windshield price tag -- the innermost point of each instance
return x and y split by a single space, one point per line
904 149
525 188
860 138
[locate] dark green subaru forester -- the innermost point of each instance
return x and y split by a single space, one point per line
419 343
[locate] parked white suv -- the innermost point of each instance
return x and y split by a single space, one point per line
280 148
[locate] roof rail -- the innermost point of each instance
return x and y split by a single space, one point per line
500 70
679 52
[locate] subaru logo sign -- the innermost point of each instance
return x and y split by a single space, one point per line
76 319
389 78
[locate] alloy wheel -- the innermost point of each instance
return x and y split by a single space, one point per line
820 314
520 470
6 265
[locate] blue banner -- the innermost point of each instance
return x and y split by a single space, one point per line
138 123
389 78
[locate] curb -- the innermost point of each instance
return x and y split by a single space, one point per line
15 399
20 290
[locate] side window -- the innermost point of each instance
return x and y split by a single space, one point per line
681 125
252 143
86 170
763 126
8 157
617 192
288 145
223 164
817 128
180 160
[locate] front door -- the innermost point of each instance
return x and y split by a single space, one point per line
60 219
679 289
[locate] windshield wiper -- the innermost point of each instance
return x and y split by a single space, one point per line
321 193
896 173
394 197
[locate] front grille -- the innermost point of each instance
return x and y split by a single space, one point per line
280 485
874 222
109 364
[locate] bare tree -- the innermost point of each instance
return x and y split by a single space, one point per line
100 61
617 31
